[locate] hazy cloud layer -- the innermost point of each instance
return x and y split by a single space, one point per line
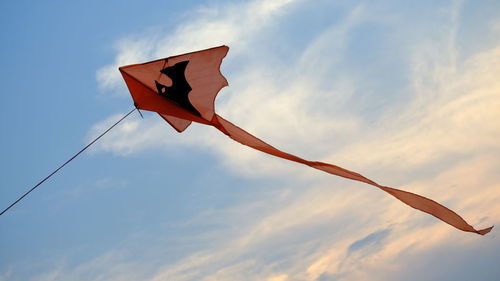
389 94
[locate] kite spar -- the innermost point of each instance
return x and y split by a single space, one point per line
182 89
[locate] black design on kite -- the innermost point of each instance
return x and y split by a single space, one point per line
180 88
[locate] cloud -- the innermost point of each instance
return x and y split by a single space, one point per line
224 24
291 108
4 276
369 240
438 138
323 233
445 119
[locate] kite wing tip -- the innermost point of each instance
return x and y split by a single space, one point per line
485 231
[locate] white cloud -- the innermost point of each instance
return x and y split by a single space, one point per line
313 236
258 99
453 116
439 140
227 24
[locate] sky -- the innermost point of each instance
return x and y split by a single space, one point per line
405 92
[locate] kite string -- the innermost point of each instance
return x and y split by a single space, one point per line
69 160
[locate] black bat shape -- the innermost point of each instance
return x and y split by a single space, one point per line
180 88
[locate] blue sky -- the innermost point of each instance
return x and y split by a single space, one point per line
406 93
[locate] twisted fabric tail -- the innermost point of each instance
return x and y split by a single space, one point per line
413 200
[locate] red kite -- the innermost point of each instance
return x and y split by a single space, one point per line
182 89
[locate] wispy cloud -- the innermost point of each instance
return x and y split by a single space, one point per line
225 24
437 137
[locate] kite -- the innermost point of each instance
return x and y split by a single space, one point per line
182 89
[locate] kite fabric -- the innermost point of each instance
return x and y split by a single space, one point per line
183 88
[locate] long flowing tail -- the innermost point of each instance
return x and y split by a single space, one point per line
413 200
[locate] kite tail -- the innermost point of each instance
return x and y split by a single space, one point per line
413 200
